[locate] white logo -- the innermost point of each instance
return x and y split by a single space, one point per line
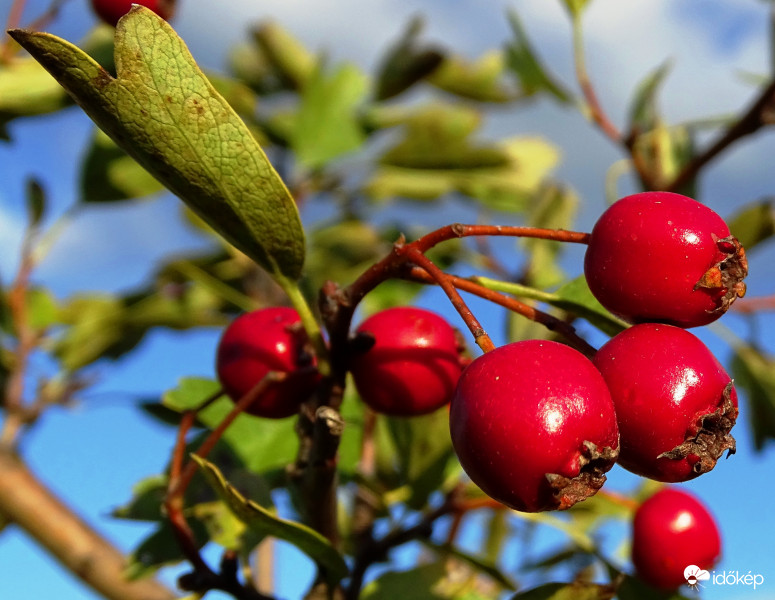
693 575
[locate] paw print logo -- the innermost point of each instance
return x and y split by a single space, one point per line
693 575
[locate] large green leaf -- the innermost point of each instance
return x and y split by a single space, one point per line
264 522
419 583
162 110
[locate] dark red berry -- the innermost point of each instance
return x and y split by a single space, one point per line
674 401
261 341
671 531
533 425
111 11
663 257
413 365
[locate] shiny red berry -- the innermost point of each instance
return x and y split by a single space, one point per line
413 365
663 257
111 11
672 532
533 425
674 401
261 341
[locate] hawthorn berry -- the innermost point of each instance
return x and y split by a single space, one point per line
674 401
664 257
533 425
111 11
671 531
255 343
413 365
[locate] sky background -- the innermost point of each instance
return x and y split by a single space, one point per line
94 453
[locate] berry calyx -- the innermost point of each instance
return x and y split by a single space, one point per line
664 257
675 403
255 343
672 532
413 363
111 11
533 425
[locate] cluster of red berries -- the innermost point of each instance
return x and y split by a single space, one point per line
536 424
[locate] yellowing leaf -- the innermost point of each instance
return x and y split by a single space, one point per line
162 110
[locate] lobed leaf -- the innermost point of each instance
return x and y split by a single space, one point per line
162 110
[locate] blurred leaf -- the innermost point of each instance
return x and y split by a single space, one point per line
327 125
567 591
160 549
291 61
109 174
481 80
644 113
262 444
633 588
223 527
413 453
263 522
480 565
36 201
664 151
342 251
42 309
554 207
182 131
523 61
754 372
754 223
95 327
147 499
414 584
406 62
506 187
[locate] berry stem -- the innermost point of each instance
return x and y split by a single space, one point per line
459 230
550 322
480 335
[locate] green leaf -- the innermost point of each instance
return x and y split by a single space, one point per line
413 454
42 308
109 174
643 108
326 125
481 565
147 500
290 60
481 80
162 111
36 201
263 522
262 444
633 588
160 549
754 223
754 371
523 61
414 584
567 591
576 297
406 62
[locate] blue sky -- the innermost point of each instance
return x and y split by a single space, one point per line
711 42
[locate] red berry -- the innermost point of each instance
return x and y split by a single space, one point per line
533 425
659 256
675 403
111 11
671 531
261 341
414 364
